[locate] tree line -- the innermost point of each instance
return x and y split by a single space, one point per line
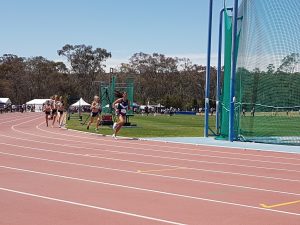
170 81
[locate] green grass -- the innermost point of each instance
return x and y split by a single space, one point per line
264 125
153 126
192 126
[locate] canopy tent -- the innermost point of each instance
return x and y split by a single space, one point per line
158 106
5 101
135 105
142 107
80 102
37 103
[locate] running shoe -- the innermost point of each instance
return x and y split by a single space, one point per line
114 136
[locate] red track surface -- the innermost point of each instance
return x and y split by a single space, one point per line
55 176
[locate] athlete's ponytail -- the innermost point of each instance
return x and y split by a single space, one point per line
118 94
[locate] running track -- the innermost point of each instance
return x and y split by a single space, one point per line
52 176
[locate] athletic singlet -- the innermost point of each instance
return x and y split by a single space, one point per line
97 108
54 104
47 109
123 107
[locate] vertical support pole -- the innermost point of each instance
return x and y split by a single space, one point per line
233 71
113 88
219 72
207 77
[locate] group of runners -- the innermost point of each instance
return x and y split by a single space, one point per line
54 110
121 106
56 107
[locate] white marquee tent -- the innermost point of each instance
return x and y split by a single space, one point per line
80 102
37 103
5 101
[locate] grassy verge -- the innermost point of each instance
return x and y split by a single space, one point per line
153 126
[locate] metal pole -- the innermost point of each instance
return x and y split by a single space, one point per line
219 70
207 83
233 71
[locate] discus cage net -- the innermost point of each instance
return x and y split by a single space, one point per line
267 79
107 93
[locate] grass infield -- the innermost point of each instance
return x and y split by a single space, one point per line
152 126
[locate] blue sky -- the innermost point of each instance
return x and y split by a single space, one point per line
124 27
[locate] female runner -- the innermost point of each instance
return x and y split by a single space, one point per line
95 112
54 108
121 106
61 108
47 110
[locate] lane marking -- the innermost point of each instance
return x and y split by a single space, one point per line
201 150
149 142
153 175
164 157
189 168
218 163
166 151
17 119
145 140
161 170
90 206
280 204
135 144
165 193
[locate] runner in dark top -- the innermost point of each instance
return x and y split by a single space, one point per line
54 106
121 105
47 110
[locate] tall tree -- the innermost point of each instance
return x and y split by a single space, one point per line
289 63
12 73
86 63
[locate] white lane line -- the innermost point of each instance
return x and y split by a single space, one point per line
91 206
191 144
188 168
172 152
180 153
13 127
17 119
149 174
233 153
154 156
160 157
163 193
